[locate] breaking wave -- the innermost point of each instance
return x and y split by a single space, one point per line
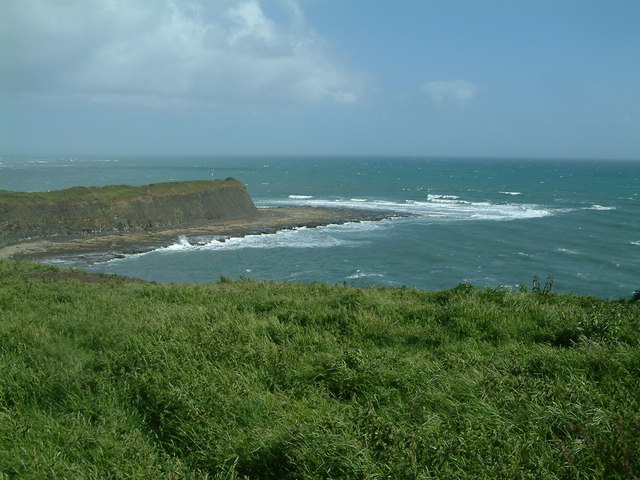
441 198
435 207
359 275
328 236
599 207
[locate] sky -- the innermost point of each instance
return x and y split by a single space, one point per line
482 78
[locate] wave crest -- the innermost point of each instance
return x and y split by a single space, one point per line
599 207
436 207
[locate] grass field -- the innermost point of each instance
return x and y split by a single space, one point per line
109 193
102 377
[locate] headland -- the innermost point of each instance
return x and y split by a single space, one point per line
116 220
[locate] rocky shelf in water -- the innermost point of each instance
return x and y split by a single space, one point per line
106 246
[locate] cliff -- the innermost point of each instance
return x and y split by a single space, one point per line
121 208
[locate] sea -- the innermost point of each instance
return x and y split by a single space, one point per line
572 225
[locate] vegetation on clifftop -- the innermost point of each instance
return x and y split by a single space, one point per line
108 193
108 378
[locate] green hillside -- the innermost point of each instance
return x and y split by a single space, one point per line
105 377
108 193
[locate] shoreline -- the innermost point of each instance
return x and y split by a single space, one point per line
105 247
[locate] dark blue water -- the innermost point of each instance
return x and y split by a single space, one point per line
489 222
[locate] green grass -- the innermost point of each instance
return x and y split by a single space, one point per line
264 380
109 193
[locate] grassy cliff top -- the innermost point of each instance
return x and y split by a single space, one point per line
112 193
103 377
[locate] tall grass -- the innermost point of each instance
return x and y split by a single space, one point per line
109 193
106 378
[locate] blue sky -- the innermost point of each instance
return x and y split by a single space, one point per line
505 78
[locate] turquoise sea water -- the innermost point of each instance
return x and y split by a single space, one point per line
489 222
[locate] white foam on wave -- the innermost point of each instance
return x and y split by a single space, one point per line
511 193
300 197
433 197
319 237
437 207
637 243
328 236
181 244
359 274
599 207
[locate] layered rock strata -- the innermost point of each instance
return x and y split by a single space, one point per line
83 211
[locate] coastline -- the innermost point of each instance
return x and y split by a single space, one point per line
100 248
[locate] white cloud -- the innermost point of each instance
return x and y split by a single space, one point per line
251 24
168 52
457 91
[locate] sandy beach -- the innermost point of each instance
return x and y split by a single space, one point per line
109 246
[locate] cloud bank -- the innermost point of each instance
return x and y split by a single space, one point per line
169 52
457 91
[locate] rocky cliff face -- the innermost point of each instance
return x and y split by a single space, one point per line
96 210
